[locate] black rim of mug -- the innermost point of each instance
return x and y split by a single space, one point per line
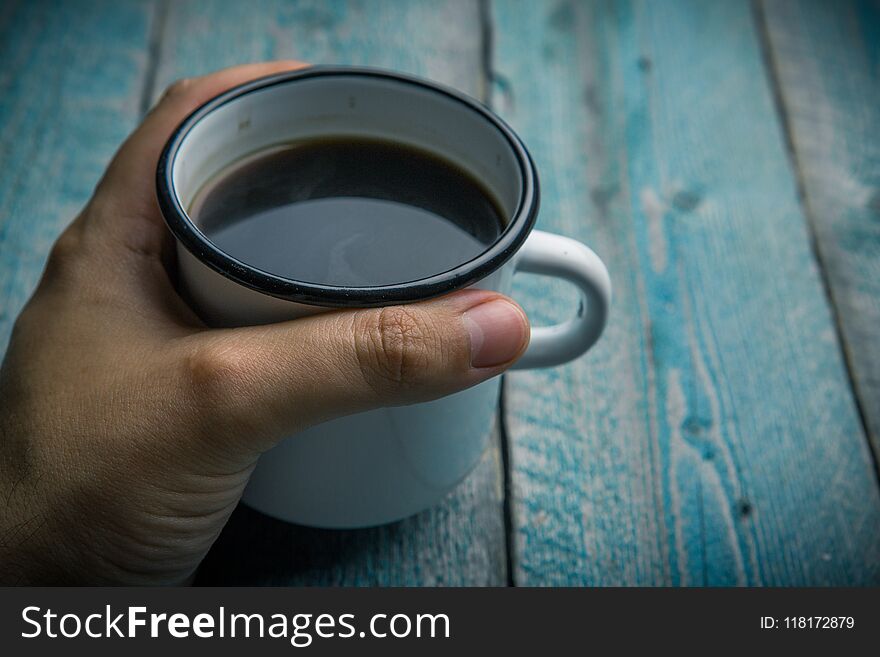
316 294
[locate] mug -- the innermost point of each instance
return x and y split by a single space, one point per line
375 467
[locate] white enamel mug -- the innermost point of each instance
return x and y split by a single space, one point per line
380 466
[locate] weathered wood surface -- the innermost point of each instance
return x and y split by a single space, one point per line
826 57
439 39
70 89
462 541
712 437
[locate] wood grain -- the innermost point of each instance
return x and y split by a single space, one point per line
462 541
70 89
712 437
440 40
827 60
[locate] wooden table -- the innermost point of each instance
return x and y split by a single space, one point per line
722 156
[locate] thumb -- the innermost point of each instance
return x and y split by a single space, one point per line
280 378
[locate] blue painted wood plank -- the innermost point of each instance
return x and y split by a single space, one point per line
439 40
462 541
712 436
827 59
70 89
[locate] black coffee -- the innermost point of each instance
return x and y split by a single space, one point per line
348 212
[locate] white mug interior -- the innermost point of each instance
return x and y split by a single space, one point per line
392 109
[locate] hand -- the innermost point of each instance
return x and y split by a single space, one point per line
129 428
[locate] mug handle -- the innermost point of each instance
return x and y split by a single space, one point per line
547 254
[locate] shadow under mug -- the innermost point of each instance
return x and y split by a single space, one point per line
375 467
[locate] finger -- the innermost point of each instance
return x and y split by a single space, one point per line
277 379
126 196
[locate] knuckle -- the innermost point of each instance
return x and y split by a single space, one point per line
177 88
66 255
394 346
218 373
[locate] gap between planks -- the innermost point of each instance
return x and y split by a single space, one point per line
785 122
154 51
487 37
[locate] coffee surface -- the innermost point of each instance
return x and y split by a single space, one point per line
348 212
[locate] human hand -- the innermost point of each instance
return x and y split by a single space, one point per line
129 429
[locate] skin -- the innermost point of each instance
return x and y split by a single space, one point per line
129 428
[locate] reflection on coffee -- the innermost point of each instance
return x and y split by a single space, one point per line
348 212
